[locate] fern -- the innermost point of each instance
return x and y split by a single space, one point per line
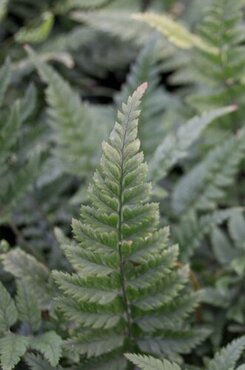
117 24
8 312
12 348
175 32
237 229
175 145
229 253
27 305
204 185
24 266
36 362
38 33
14 345
221 74
228 356
191 230
126 275
49 344
73 122
151 363
18 170
223 360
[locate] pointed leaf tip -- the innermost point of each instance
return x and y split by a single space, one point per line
142 88
234 107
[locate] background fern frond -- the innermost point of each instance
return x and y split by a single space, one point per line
175 145
228 356
174 32
204 186
12 348
151 363
37 34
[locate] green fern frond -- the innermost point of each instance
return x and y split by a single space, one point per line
205 184
174 146
8 311
27 305
24 266
49 344
223 249
36 362
73 122
236 227
174 32
114 23
151 363
17 171
228 356
12 348
28 103
36 35
130 279
220 76
190 231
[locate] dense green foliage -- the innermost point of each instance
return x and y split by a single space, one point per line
134 109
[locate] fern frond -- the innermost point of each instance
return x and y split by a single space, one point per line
174 146
17 171
28 103
36 35
72 121
36 362
114 23
27 305
174 341
221 74
24 266
205 184
191 230
151 363
174 32
8 311
223 250
12 348
49 344
228 356
236 227
134 280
